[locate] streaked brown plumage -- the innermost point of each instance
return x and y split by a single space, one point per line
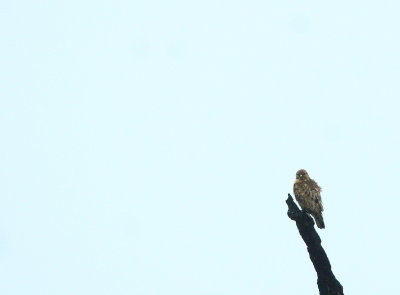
308 195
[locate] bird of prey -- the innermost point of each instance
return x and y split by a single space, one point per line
308 195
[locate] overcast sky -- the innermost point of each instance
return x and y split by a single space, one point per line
147 147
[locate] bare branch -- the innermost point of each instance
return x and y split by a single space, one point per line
327 283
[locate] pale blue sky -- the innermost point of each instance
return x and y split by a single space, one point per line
148 146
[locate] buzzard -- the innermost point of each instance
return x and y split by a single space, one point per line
308 195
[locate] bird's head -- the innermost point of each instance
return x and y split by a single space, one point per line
302 174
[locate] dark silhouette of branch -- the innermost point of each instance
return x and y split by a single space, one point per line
327 283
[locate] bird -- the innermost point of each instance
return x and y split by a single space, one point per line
308 195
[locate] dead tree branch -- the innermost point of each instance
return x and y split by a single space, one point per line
327 283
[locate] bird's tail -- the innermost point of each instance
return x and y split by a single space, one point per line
319 220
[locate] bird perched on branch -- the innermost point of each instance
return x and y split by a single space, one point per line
308 195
